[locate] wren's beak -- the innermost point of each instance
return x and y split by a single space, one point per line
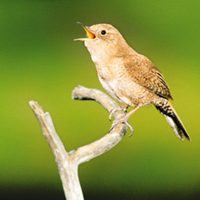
90 35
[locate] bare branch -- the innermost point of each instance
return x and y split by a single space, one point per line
67 169
68 162
83 93
111 139
104 144
49 131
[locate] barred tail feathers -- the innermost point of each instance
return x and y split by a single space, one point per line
172 118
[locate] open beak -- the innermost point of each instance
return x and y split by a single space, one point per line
89 33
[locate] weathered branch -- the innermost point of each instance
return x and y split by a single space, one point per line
68 162
67 169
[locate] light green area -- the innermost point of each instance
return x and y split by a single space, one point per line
39 60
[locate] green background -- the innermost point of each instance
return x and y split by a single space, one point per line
39 60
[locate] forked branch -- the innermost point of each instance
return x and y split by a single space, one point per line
68 162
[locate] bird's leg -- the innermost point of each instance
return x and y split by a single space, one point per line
125 119
131 112
123 107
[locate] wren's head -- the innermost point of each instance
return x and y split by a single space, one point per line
103 42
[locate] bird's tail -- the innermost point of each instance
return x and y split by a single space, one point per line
172 118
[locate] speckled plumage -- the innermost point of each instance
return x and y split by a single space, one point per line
143 71
129 76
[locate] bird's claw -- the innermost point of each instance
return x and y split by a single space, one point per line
124 109
113 111
131 129
123 121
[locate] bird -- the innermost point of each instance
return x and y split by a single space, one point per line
128 76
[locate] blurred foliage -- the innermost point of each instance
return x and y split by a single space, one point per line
39 60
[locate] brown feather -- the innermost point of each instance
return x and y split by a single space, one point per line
143 72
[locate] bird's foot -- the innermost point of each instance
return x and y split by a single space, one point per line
123 120
112 112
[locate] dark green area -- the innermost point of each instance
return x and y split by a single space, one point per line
39 60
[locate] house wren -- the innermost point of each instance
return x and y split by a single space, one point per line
128 76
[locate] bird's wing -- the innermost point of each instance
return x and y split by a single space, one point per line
143 72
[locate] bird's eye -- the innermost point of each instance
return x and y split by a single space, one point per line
103 32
